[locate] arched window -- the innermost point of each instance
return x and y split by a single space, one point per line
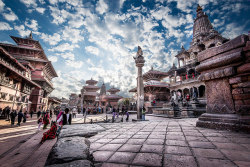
202 91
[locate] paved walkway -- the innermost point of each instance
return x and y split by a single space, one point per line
170 143
19 145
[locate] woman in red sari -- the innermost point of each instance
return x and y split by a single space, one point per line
51 133
46 120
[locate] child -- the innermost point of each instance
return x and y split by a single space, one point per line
39 122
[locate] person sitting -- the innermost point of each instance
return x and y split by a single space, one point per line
51 133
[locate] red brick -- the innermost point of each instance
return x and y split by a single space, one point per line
247 102
241 96
237 91
246 90
244 68
238 79
238 102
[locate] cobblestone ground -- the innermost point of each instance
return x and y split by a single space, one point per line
170 143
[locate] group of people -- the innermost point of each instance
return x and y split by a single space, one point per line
20 117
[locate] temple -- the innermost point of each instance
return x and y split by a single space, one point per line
30 54
89 93
111 99
183 90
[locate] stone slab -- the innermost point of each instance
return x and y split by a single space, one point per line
78 163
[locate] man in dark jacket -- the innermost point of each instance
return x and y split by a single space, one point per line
19 117
67 117
13 115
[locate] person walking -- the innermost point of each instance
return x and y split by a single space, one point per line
24 116
143 113
46 120
50 113
19 117
13 115
31 113
38 114
8 113
39 122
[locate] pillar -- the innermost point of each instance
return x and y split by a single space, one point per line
139 61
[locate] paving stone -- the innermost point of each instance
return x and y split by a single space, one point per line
237 155
229 146
200 144
102 156
152 148
196 138
118 141
95 146
113 165
122 157
103 140
208 153
136 141
110 147
193 134
124 136
176 143
110 136
240 140
152 136
242 163
158 133
206 162
154 141
219 139
147 159
246 146
143 133
139 136
175 137
212 134
130 148
179 161
175 133
177 150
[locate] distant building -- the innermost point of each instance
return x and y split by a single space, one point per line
89 93
30 53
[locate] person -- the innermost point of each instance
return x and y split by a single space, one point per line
117 112
24 116
187 97
59 120
74 112
51 133
84 110
38 114
1 110
19 117
154 102
127 116
50 113
39 122
67 117
8 113
143 113
46 120
31 113
13 115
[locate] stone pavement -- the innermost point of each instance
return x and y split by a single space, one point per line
168 142
19 146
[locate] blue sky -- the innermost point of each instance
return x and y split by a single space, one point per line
98 38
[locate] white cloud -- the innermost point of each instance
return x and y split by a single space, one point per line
68 56
1 6
22 31
101 7
40 10
10 15
92 50
32 24
29 3
73 35
5 26
64 47
74 64
53 58
51 39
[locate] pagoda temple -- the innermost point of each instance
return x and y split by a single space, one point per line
111 99
30 53
155 88
89 93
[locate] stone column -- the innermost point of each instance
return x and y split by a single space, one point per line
225 70
139 61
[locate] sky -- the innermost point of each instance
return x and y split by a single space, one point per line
97 39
